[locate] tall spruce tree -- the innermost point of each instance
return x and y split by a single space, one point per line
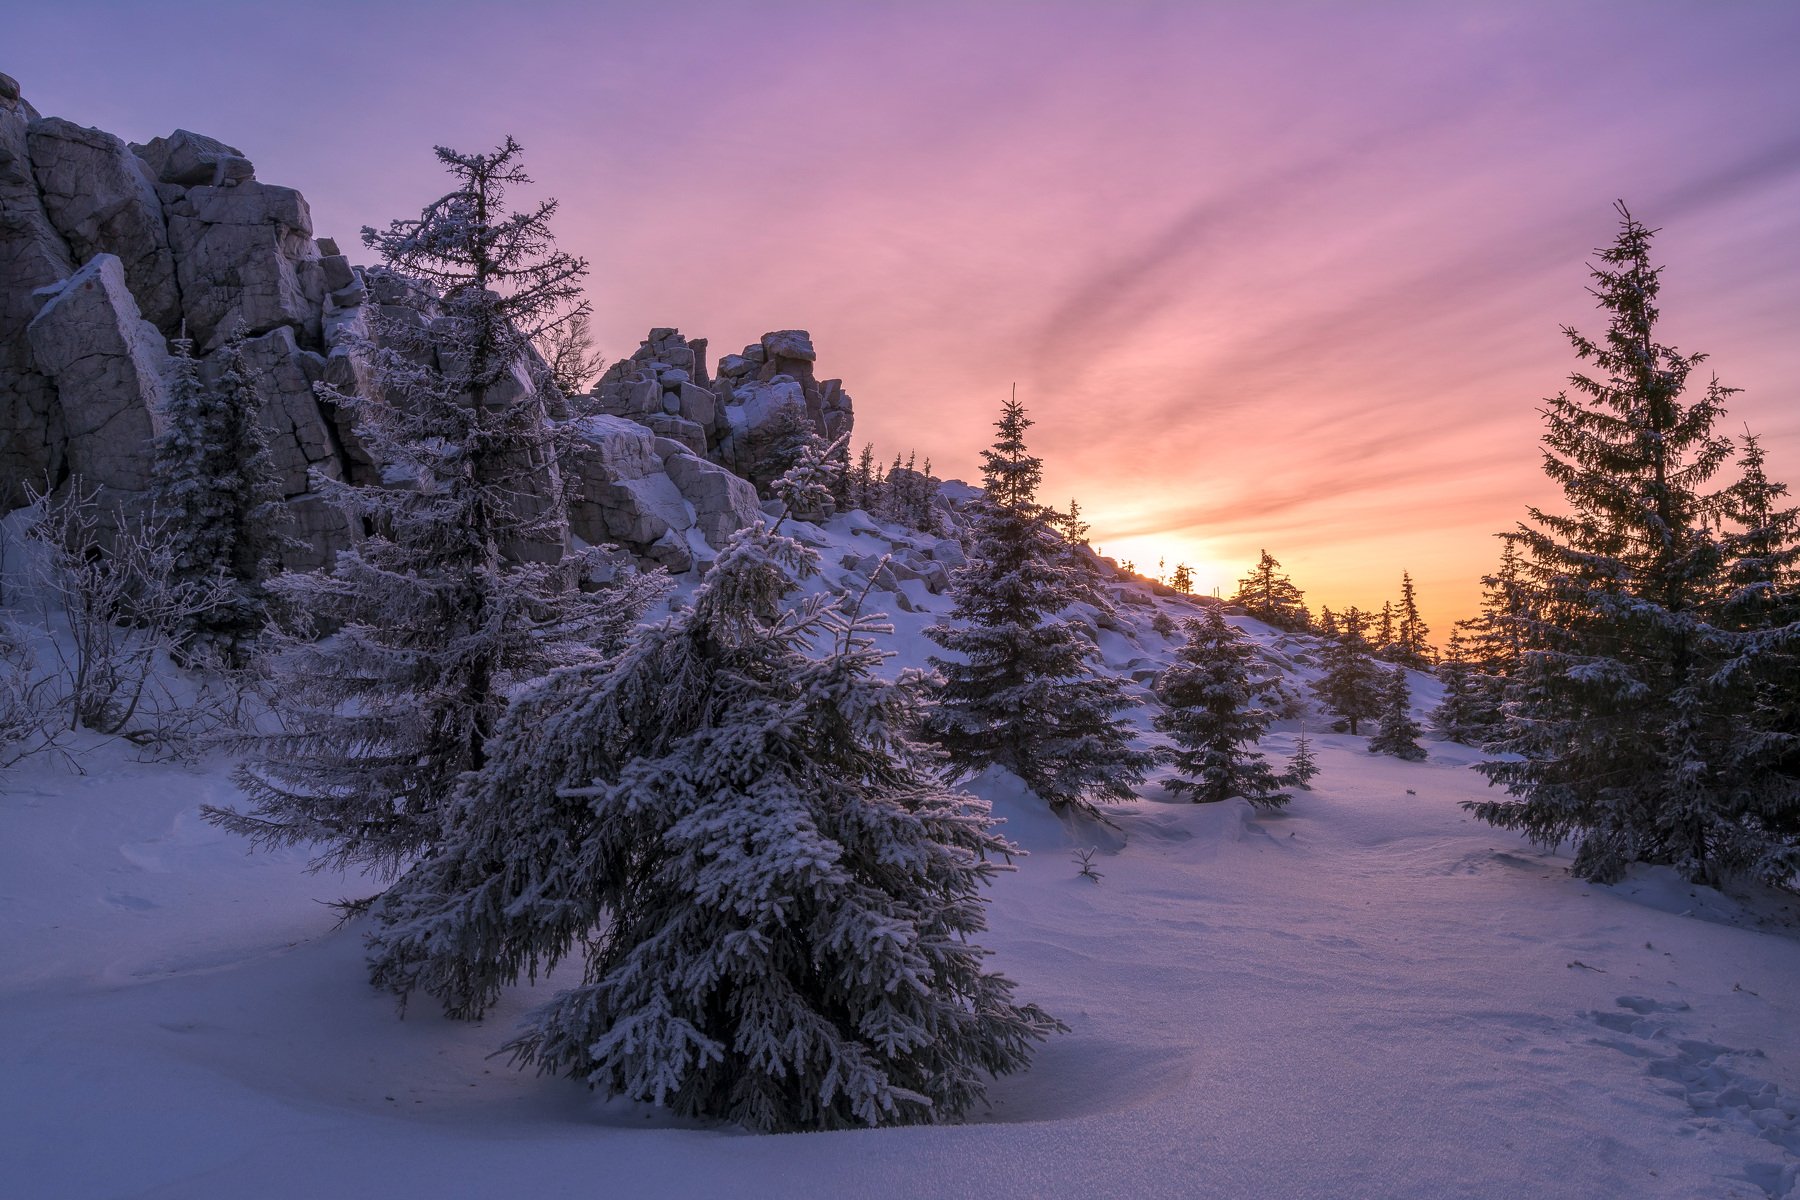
460 589
1412 637
1023 693
864 493
1397 734
1350 685
1495 637
215 487
1384 630
1210 712
1761 603
772 886
1271 597
1630 730
1762 550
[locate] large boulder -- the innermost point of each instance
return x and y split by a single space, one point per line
246 255
648 493
97 196
191 159
723 503
625 496
108 364
32 255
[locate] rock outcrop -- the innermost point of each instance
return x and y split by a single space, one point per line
107 364
33 440
651 492
106 252
109 250
760 397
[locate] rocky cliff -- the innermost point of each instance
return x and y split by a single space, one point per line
108 249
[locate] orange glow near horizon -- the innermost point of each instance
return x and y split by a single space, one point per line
1281 276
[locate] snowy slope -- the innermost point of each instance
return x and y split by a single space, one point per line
1369 994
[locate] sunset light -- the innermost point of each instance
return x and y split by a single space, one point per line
1061 599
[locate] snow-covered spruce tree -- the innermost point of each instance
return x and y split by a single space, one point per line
1467 713
1351 683
808 488
1762 552
1761 605
1272 598
1302 767
774 889
1209 712
1328 623
1384 630
215 494
460 589
1630 729
1411 646
1397 733
1022 692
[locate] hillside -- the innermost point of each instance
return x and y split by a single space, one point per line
1367 994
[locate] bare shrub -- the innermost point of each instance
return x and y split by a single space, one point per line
110 584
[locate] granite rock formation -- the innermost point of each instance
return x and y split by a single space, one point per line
108 250
736 418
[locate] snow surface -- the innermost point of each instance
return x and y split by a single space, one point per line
1368 994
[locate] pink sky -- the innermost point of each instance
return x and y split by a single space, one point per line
1266 275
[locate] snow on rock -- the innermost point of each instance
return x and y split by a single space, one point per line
99 197
194 239
107 363
733 419
188 158
646 492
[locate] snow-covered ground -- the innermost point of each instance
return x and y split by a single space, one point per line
1368 994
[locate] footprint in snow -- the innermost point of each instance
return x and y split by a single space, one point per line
1714 1081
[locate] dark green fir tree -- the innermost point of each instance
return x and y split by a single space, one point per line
1022 692
1397 733
1209 711
1351 683
1636 727
1271 597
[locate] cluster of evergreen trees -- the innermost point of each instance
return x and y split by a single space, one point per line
905 493
747 833
750 837
1354 682
1635 655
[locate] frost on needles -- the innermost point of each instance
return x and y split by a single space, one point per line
462 586
1210 713
1023 693
773 888
1651 717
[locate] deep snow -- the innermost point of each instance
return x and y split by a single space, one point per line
1368 994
